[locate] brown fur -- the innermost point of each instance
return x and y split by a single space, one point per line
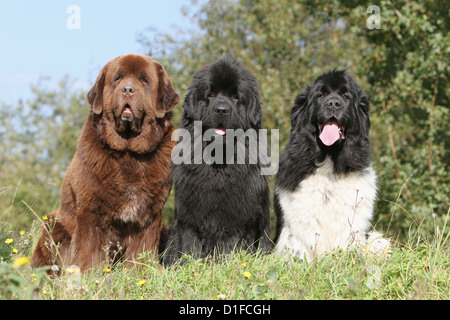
118 181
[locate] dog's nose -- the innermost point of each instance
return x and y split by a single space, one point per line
221 109
333 103
128 90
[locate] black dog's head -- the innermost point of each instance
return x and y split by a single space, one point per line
334 108
223 95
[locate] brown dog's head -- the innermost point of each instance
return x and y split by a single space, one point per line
130 101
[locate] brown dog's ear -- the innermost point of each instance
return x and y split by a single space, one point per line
95 95
167 97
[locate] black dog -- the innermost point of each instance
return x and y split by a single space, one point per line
221 204
325 188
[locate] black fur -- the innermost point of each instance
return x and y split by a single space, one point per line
220 206
305 149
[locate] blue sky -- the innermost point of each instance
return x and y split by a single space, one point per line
36 42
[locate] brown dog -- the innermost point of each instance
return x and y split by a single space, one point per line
118 181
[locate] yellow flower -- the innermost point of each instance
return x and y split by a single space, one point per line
221 297
15 251
44 291
141 283
33 279
70 270
107 270
44 218
22 233
244 264
247 274
21 261
9 241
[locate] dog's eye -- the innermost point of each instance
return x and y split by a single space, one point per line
235 97
118 78
144 81
211 95
346 96
321 95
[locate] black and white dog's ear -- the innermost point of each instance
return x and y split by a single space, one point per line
299 105
362 105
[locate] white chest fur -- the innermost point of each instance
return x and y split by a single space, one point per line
326 211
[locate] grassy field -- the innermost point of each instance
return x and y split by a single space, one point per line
418 269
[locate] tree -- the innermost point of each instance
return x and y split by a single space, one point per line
283 46
406 63
403 65
38 138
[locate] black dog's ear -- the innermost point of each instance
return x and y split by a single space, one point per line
95 95
255 112
188 104
299 105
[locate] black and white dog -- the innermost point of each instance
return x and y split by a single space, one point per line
325 188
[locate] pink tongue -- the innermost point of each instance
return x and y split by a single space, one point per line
220 131
330 134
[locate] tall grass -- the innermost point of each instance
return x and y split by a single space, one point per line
416 269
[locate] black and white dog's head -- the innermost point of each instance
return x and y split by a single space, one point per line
329 118
223 95
332 108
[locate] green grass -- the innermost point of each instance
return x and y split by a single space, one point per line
419 269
